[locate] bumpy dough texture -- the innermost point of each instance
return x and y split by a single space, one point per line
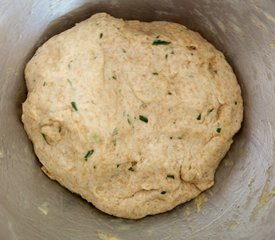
88 90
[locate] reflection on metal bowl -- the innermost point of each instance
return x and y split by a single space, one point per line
239 206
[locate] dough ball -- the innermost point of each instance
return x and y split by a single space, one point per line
133 116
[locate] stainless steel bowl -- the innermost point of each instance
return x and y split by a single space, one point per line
239 206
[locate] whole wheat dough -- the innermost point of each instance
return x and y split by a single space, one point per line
135 117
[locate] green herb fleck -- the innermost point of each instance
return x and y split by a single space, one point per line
115 132
131 169
118 165
199 117
74 105
219 129
101 35
211 110
70 82
143 118
155 73
129 121
114 142
163 192
190 167
89 154
114 77
160 42
97 139
70 64
170 176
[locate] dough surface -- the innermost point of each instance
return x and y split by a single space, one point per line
135 117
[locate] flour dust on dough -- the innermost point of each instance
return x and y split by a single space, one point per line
133 116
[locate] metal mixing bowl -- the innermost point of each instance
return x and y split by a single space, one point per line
239 206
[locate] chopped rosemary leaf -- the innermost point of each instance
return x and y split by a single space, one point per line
211 110
143 118
160 42
163 192
219 130
170 176
74 105
100 35
115 132
89 154
129 121
117 165
97 138
114 77
199 117
155 73
131 169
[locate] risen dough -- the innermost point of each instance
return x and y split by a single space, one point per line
135 117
